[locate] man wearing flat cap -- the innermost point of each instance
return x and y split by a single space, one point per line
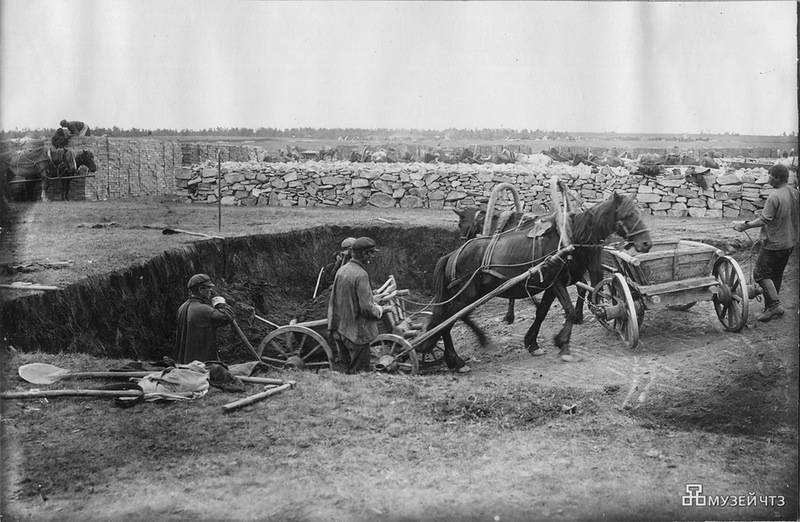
344 254
353 314
196 338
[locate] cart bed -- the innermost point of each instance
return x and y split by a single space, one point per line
668 261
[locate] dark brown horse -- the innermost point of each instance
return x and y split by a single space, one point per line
470 225
44 163
481 265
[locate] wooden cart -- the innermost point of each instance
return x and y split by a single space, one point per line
673 275
397 348
306 345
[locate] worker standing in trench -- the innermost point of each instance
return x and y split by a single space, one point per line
353 314
196 337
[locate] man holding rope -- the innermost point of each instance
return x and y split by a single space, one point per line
779 235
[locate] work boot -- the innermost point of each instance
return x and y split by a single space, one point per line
772 311
772 305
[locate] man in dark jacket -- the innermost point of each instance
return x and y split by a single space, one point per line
353 314
196 338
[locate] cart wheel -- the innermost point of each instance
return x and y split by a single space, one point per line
731 300
295 347
390 352
616 309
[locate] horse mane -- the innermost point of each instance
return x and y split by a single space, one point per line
594 223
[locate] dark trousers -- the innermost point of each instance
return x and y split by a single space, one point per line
355 357
770 265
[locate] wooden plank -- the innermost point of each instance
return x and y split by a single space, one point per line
683 297
678 286
21 285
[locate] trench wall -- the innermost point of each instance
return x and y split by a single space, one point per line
731 191
131 313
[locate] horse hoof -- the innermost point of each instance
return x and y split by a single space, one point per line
464 369
537 352
568 357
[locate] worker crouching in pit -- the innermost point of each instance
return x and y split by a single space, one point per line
353 314
198 320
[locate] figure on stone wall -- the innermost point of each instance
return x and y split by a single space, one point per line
60 138
76 128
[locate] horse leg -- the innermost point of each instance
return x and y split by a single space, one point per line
44 187
562 338
477 330
533 332
451 358
510 312
578 316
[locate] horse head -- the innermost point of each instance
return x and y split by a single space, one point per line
628 223
86 157
470 221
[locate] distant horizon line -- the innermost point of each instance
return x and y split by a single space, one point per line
412 130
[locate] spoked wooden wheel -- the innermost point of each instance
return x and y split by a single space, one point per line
295 347
615 309
731 297
392 353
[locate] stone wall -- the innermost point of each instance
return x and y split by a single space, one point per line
730 192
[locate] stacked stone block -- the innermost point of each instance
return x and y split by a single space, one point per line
729 193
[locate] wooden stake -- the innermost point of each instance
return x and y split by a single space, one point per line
257 397
219 192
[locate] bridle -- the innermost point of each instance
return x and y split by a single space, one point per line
637 229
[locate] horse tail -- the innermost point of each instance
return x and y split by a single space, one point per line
440 279
439 311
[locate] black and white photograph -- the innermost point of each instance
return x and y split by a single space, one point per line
313 261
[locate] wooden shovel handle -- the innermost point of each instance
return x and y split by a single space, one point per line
70 393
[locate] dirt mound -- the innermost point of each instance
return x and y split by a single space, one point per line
515 406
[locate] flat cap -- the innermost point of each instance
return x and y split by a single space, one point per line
199 279
363 244
348 242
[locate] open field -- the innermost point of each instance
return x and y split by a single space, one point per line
576 141
617 436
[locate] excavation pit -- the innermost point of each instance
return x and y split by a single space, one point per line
131 313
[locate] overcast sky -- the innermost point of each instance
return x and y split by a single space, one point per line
571 66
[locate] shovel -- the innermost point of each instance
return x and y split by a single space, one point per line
43 373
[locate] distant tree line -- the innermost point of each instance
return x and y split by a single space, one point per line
361 134
311 133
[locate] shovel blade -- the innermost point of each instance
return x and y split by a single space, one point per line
41 373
